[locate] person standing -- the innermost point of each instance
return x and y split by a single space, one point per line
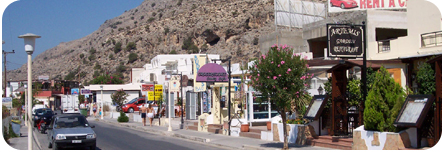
150 113
143 111
94 109
99 112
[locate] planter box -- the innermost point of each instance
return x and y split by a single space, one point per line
375 140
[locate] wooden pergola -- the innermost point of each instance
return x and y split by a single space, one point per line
437 114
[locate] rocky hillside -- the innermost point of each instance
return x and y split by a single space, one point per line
225 27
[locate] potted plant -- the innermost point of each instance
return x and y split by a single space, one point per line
245 127
269 125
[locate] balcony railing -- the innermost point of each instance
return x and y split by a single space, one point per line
431 39
384 46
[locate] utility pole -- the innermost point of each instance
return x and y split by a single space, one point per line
4 64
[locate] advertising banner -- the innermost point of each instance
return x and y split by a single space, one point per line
212 72
174 83
354 5
345 40
75 91
85 91
198 62
158 93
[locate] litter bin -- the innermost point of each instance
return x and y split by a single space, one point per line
83 112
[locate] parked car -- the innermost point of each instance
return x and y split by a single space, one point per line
344 4
42 113
42 118
71 130
134 104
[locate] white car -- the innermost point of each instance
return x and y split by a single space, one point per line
37 106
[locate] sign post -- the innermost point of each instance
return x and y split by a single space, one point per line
349 41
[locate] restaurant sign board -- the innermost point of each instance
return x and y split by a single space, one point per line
345 40
212 72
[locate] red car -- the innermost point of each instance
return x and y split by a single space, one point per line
344 3
135 104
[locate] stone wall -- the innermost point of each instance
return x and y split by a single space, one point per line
375 140
296 133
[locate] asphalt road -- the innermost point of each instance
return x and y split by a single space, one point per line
111 137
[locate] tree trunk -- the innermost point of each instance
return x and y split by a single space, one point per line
284 127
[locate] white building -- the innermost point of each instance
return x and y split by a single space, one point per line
133 90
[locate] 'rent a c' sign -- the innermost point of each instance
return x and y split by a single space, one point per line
212 72
345 40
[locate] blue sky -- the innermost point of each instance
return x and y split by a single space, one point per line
55 21
58 21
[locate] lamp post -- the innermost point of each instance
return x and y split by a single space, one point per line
26 101
29 40
101 107
320 90
168 97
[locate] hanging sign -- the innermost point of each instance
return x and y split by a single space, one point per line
212 72
345 40
174 83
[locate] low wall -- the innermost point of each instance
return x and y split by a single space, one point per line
296 133
375 140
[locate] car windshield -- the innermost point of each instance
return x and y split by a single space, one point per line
71 121
133 100
43 112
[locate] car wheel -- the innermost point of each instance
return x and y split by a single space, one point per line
93 147
50 145
54 146
131 110
342 6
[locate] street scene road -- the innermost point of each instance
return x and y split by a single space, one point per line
111 137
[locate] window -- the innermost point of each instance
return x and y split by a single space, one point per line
384 46
431 39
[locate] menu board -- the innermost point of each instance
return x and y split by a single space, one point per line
316 106
414 110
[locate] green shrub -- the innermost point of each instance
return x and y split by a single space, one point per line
166 30
154 14
189 45
383 103
173 52
151 19
179 2
132 57
117 47
92 51
111 57
91 57
425 79
81 55
123 117
153 4
131 46
97 66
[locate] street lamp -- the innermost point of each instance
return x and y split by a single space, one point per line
29 48
101 107
320 90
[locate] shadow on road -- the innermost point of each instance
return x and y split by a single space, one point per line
280 145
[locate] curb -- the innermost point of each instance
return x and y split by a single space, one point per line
35 140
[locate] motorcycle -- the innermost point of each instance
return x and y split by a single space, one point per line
41 126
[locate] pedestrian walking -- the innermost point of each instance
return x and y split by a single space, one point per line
143 111
150 113
94 109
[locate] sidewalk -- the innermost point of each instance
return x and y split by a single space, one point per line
234 143
21 143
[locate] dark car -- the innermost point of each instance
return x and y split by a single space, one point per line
44 114
69 131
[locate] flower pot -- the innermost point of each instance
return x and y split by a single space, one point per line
269 125
244 127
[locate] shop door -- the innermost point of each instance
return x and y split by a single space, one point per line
191 106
